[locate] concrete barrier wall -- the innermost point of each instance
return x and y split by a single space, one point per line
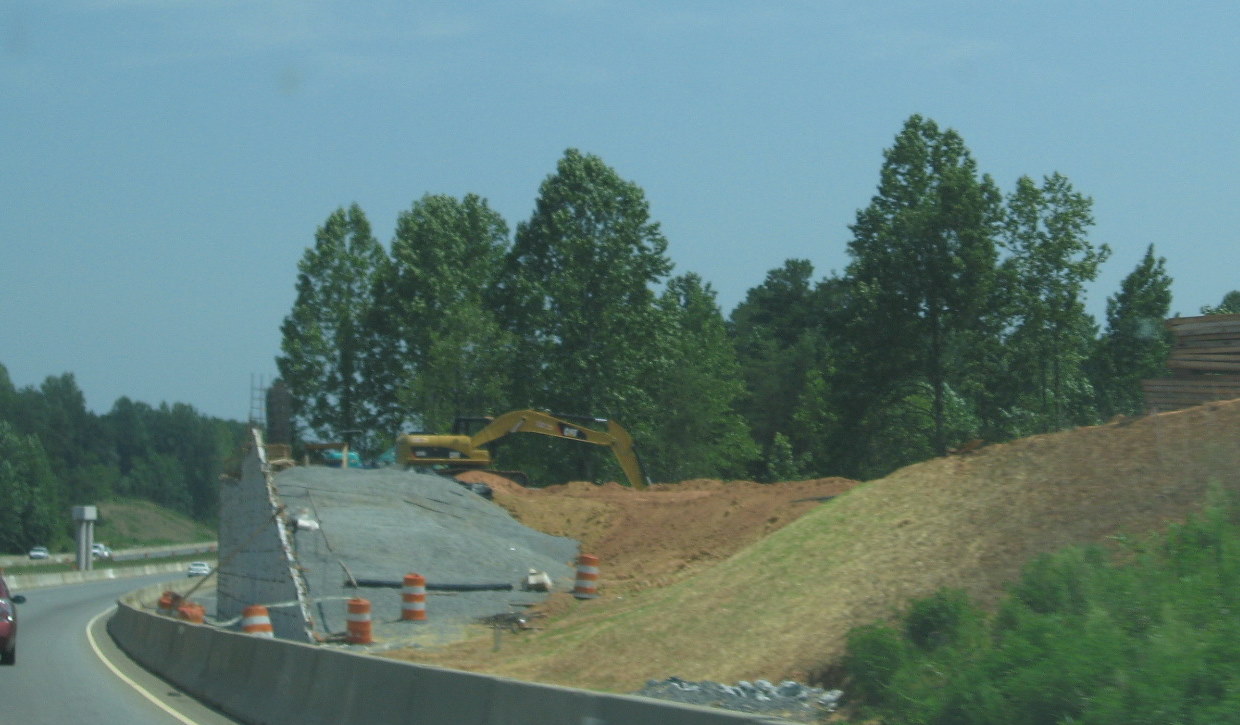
145 552
21 582
278 682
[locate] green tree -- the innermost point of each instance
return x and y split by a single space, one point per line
8 395
1135 344
56 413
30 498
130 425
172 455
198 445
159 477
922 274
577 291
699 433
781 463
1051 262
438 351
777 334
323 341
1229 306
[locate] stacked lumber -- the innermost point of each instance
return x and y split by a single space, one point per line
1204 364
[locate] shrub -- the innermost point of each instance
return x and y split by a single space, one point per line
1057 583
937 620
874 654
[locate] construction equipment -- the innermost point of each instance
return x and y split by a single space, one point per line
463 451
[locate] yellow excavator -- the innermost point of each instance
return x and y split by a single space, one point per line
462 451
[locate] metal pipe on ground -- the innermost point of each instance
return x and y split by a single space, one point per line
434 587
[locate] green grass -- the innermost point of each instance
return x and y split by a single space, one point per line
129 524
133 524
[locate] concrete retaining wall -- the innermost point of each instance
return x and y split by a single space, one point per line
257 565
277 682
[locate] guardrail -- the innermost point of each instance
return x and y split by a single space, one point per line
278 682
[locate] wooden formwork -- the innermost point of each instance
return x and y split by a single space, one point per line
1204 364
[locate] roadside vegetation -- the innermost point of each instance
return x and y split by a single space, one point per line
1143 632
56 454
130 523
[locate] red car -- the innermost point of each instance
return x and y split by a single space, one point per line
8 624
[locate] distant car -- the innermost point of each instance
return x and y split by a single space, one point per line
100 551
8 624
198 568
40 552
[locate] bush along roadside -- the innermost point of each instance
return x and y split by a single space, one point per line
1080 638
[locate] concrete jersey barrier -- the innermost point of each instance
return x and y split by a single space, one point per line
22 582
279 682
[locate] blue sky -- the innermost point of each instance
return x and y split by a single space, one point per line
165 163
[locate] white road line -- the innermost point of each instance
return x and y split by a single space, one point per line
141 690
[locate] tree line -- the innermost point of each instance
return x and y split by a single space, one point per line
56 454
960 316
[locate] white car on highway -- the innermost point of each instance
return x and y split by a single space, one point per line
198 568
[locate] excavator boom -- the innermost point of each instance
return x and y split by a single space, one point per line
465 451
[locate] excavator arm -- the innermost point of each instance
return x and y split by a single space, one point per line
470 451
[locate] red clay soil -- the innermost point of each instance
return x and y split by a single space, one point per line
657 536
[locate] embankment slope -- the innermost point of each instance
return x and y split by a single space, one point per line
779 603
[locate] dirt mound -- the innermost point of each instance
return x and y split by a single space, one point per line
731 581
654 537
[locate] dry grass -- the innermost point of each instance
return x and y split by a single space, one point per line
729 581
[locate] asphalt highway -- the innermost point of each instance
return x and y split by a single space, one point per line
68 669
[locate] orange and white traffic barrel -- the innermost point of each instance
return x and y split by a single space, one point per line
358 618
413 598
586 586
255 621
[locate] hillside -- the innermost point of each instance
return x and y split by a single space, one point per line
142 523
729 581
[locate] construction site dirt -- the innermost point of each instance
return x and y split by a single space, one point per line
729 581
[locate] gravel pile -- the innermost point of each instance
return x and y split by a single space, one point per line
788 700
378 525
